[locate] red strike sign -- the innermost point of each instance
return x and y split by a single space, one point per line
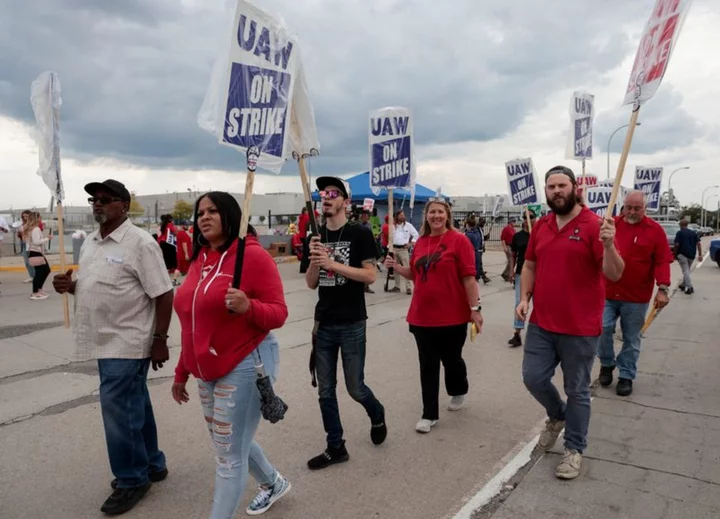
656 46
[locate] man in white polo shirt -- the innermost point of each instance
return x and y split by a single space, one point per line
123 306
404 234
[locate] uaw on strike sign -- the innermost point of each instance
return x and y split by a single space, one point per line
521 182
580 137
258 95
391 148
656 46
649 181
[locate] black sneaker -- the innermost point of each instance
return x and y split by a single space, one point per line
331 456
606 375
689 290
124 499
486 280
378 431
154 477
624 387
515 341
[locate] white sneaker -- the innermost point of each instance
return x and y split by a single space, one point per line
549 436
424 426
265 497
38 297
569 467
28 280
456 403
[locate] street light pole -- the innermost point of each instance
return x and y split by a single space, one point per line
670 191
702 204
708 202
608 146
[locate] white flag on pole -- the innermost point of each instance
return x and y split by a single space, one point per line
46 100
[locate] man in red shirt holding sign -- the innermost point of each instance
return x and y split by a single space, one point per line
570 252
644 248
506 237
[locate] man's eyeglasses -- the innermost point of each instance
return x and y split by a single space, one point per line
103 200
330 195
437 200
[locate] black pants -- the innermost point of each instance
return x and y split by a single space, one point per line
41 273
435 345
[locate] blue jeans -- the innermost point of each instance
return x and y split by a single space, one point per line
231 405
127 412
23 250
632 318
543 352
519 325
347 340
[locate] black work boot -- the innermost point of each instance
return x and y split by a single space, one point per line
624 387
606 375
515 341
124 499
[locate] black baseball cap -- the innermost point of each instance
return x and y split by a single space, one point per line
561 170
323 182
115 187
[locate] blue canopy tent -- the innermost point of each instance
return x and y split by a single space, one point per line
360 190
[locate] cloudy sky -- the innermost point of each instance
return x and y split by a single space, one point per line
487 82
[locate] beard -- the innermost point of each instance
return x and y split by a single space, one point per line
563 205
100 218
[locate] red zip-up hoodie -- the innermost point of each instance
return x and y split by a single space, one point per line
214 341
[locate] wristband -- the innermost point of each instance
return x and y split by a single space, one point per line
163 336
477 308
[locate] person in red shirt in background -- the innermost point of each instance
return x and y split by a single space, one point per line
570 253
644 248
303 227
184 249
221 349
384 230
445 300
506 237
167 238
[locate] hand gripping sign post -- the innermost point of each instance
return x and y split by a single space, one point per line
656 45
46 100
392 160
580 136
649 180
522 184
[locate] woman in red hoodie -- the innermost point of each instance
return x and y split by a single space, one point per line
220 349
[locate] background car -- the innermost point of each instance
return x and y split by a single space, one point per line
715 251
671 230
707 231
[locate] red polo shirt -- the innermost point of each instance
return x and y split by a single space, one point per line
644 249
507 234
569 293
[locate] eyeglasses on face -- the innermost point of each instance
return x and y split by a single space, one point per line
103 200
331 194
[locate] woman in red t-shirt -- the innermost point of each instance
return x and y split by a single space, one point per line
445 300
221 349
168 243
184 250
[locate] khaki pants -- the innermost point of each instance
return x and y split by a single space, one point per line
402 257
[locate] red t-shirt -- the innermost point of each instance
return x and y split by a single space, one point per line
384 235
507 234
644 249
183 237
569 292
170 229
439 265
214 341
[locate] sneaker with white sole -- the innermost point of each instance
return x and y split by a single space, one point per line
569 467
28 280
424 426
38 297
266 497
549 436
456 403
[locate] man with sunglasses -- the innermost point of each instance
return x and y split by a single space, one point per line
123 306
643 245
341 263
570 252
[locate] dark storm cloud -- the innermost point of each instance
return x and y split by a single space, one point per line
134 73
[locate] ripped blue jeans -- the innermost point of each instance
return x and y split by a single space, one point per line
231 405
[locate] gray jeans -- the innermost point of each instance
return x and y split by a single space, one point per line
686 265
543 352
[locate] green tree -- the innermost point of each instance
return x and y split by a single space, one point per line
691 213
262 218
182 211
136 209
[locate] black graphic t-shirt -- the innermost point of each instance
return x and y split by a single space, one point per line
342 300
519 246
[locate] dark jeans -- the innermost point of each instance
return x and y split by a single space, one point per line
543 352
41 273
347 340
435 345
130 430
